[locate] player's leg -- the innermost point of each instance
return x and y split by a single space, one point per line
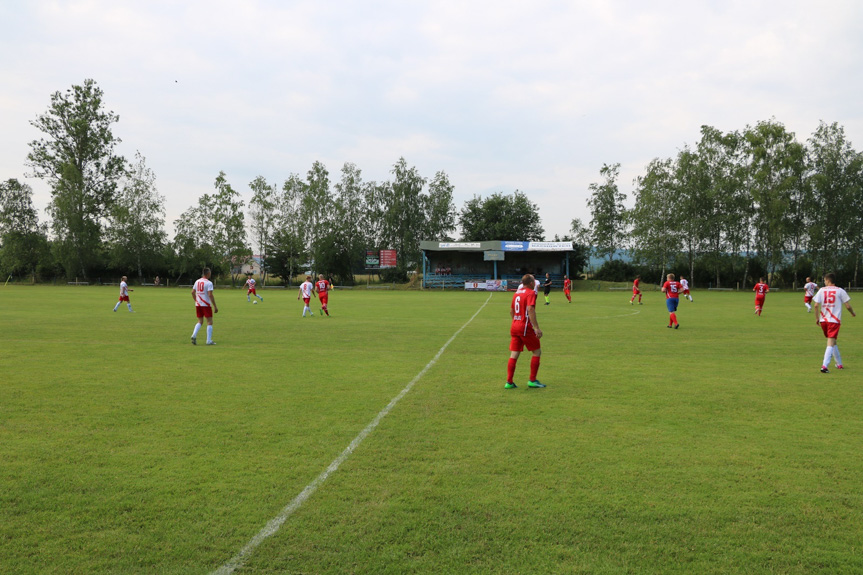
534 369
197 326
119 301
515 347
129 305
210 331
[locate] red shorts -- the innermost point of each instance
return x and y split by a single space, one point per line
759 301
203 311
519 342
636 291
124 298
566 292
686 292
252 292
323 297
807 298
306 300
830 329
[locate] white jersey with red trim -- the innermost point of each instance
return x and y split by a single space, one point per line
810 288
306 288
831 300
203 287
684 284
250 283
124 289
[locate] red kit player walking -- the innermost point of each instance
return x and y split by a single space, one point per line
672 289
322 288
567 288
635 290
524 332
760 289
828 305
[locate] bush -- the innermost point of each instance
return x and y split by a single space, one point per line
615 271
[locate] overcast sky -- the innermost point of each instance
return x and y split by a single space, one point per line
501 95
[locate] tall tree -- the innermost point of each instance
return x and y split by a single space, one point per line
23 241
136 231
501 217
316 210
655 222
229 230
262 210
608 223
76 157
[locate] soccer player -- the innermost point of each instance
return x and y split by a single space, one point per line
250 283
567 288
322 288
684 286
809 292
546 288
635 290
828 305
671 289
124 294
535 284
760 289
524 332
205 306
307 290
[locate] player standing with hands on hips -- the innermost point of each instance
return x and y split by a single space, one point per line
524 332
828 305
205 306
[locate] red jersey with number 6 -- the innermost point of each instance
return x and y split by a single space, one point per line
523 298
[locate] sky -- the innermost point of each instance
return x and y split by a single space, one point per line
501 96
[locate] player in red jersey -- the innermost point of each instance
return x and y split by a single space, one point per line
307 290
635 290
524 332
322 288
828 307
250 283
205 306
671 289
124 294
760 289
567 288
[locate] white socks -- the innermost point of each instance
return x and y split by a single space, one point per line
836 355
195 331
828 353
209 333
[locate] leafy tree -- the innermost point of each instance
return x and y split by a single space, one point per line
345 246
440 211
77 159
501 217
608 223
136 233
316 211
262 210
23 241
655 222
285 254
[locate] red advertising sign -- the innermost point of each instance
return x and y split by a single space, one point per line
388 258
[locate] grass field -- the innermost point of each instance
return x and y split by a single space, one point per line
715 448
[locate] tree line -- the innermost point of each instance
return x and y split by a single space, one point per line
107 217
734 207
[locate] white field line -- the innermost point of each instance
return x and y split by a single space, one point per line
274 524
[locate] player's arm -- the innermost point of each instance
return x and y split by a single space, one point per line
849 308
531 314
299 293
193 294
213 301
817 308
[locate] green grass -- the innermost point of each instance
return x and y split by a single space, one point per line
714 448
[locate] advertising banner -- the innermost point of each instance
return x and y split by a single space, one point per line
388 259
373 259
493 255
485 285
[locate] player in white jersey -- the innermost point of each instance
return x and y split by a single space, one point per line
828 305
307 290
205 306
535 285
808 293
250 283
124 294
684 288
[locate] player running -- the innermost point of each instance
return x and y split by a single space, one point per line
760 289
635 290
524 332
809 290
828 305
322 288
684 286
307 290
205 306
250 283
124 294
567 288
671 289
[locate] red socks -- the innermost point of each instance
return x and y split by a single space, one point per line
510 370
534 367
